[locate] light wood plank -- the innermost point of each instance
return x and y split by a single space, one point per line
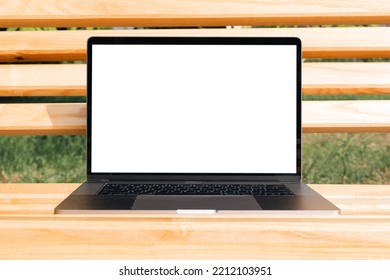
318 78
42 119
346 78
190 12
36 199
36 189
338 42
318 116
31 231
304 237
43 80
357 199
346 116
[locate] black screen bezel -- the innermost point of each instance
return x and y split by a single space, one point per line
196 41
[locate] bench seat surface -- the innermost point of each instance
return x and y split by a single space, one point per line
29 230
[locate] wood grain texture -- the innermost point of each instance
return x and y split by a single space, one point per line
190 12
36 199
340 42
346 78
42 119
318 116
346 116
30 230
43 80
318 78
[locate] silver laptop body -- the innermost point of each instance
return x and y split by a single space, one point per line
194 125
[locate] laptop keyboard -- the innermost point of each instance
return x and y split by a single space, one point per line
196 189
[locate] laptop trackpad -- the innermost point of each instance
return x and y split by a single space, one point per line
174 202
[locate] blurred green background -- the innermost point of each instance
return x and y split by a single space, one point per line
326 158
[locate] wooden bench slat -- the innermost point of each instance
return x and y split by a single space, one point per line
43 80
38 198
42 119
318 116
346 78
346 116
191 13
318 78
217 237
342 42
29 230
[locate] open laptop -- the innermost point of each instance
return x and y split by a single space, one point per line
194 126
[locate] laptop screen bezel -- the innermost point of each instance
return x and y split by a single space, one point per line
294 177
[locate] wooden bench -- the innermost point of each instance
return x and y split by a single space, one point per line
29 230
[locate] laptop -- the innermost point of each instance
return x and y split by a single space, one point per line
194 125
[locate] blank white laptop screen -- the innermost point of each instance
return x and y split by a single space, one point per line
194 109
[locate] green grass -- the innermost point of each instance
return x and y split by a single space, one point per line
42 159
356 158
327 158
346 97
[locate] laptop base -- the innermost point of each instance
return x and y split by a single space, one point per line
85 200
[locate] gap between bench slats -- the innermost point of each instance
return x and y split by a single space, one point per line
337 42
191 12
318 116
318 78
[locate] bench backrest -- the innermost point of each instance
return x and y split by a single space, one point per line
206 18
